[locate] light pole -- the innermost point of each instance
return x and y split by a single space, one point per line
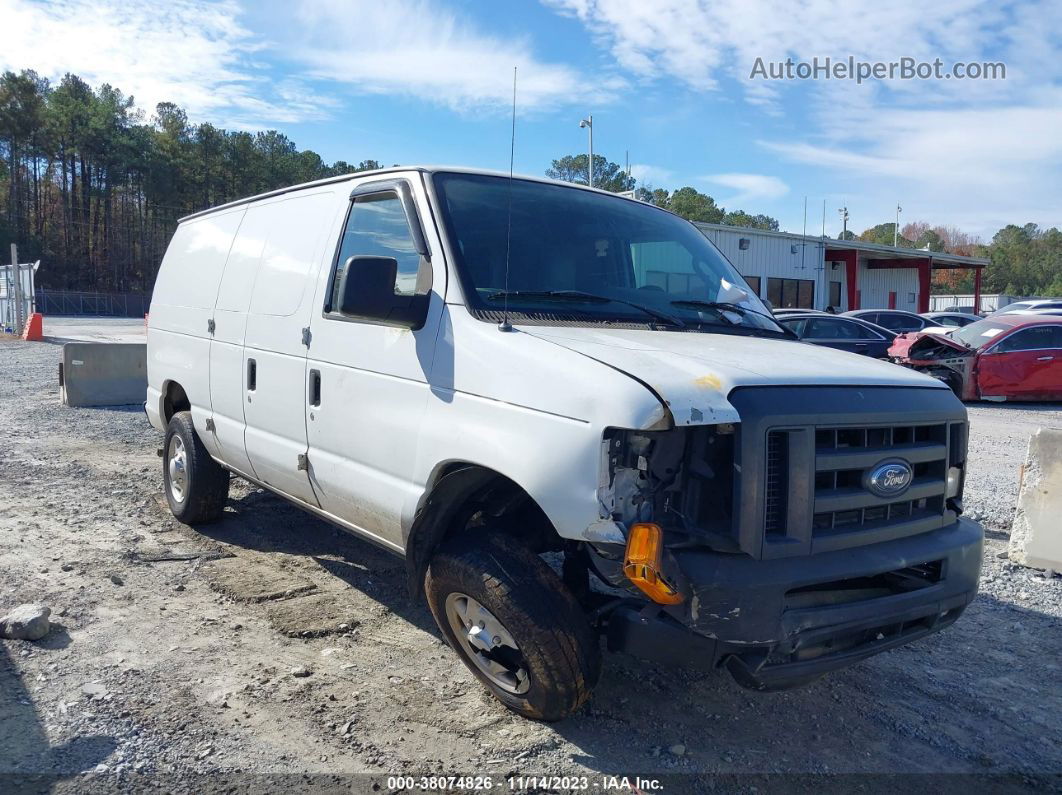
588 123
896 228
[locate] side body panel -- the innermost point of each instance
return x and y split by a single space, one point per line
296 242
1021 375
182 305
226 349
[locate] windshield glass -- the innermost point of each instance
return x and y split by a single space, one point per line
977 334
579 256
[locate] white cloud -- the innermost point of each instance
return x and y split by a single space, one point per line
749 187
654 176
194 53
417 48
706 42
959 151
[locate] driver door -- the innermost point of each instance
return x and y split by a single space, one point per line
368 385
1025 364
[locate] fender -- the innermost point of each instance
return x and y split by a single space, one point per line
435 516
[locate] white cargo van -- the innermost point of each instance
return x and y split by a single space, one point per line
569 414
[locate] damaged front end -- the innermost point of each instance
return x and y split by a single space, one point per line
938 356
774 558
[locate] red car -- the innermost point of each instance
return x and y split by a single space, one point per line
1007 357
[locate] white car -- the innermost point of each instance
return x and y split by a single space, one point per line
473 372
1032 304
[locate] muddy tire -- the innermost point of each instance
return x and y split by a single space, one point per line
196 485
489 594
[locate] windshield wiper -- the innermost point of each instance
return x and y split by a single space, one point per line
580 296
730 307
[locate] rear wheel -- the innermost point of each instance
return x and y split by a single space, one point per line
514 624
196 485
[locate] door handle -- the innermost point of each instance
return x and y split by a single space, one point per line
252 375
315 388
1045 358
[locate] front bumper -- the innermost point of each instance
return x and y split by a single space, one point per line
778 623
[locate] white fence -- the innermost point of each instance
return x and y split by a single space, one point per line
989 302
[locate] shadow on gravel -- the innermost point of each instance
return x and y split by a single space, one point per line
262 522
57 638
27 762
976 699
980 698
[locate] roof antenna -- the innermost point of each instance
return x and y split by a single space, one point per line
505 325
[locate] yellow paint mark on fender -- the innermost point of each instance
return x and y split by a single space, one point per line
709 381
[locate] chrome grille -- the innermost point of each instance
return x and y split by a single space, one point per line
842 503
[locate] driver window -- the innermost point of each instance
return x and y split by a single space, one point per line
377 226
1032 339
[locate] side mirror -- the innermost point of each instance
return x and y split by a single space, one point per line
367 292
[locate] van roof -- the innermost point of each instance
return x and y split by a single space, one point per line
391 170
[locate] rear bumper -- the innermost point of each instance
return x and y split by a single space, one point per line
777 623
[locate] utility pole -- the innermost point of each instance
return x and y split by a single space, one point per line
896 228
588 123
844 222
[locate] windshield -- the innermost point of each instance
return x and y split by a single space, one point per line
578 256
977 334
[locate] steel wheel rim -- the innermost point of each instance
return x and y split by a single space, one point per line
177 467
487 642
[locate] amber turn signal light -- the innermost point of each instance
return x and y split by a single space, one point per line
642 563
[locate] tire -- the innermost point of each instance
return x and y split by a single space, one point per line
558 651
196 485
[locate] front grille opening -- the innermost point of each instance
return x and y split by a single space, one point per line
876 515
860 589
849 478
776 492
851 437
879 436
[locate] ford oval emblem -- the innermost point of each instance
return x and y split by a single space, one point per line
889 478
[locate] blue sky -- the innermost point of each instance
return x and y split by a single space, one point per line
429 81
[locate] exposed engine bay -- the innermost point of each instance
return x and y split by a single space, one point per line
681 479
943 359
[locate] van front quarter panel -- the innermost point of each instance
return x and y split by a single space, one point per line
529 410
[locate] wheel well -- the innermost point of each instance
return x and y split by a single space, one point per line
174 399
467 497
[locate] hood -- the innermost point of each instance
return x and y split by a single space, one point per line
903 342
931 346
694 372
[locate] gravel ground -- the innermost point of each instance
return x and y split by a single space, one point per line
168 660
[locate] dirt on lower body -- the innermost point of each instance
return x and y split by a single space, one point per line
271 643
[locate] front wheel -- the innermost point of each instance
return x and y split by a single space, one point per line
514 624
196 485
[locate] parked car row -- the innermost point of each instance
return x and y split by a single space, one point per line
1014 354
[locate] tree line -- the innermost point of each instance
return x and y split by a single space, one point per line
94 189
1023 260
687 202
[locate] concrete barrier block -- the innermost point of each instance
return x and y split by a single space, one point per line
103 374
1036 535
